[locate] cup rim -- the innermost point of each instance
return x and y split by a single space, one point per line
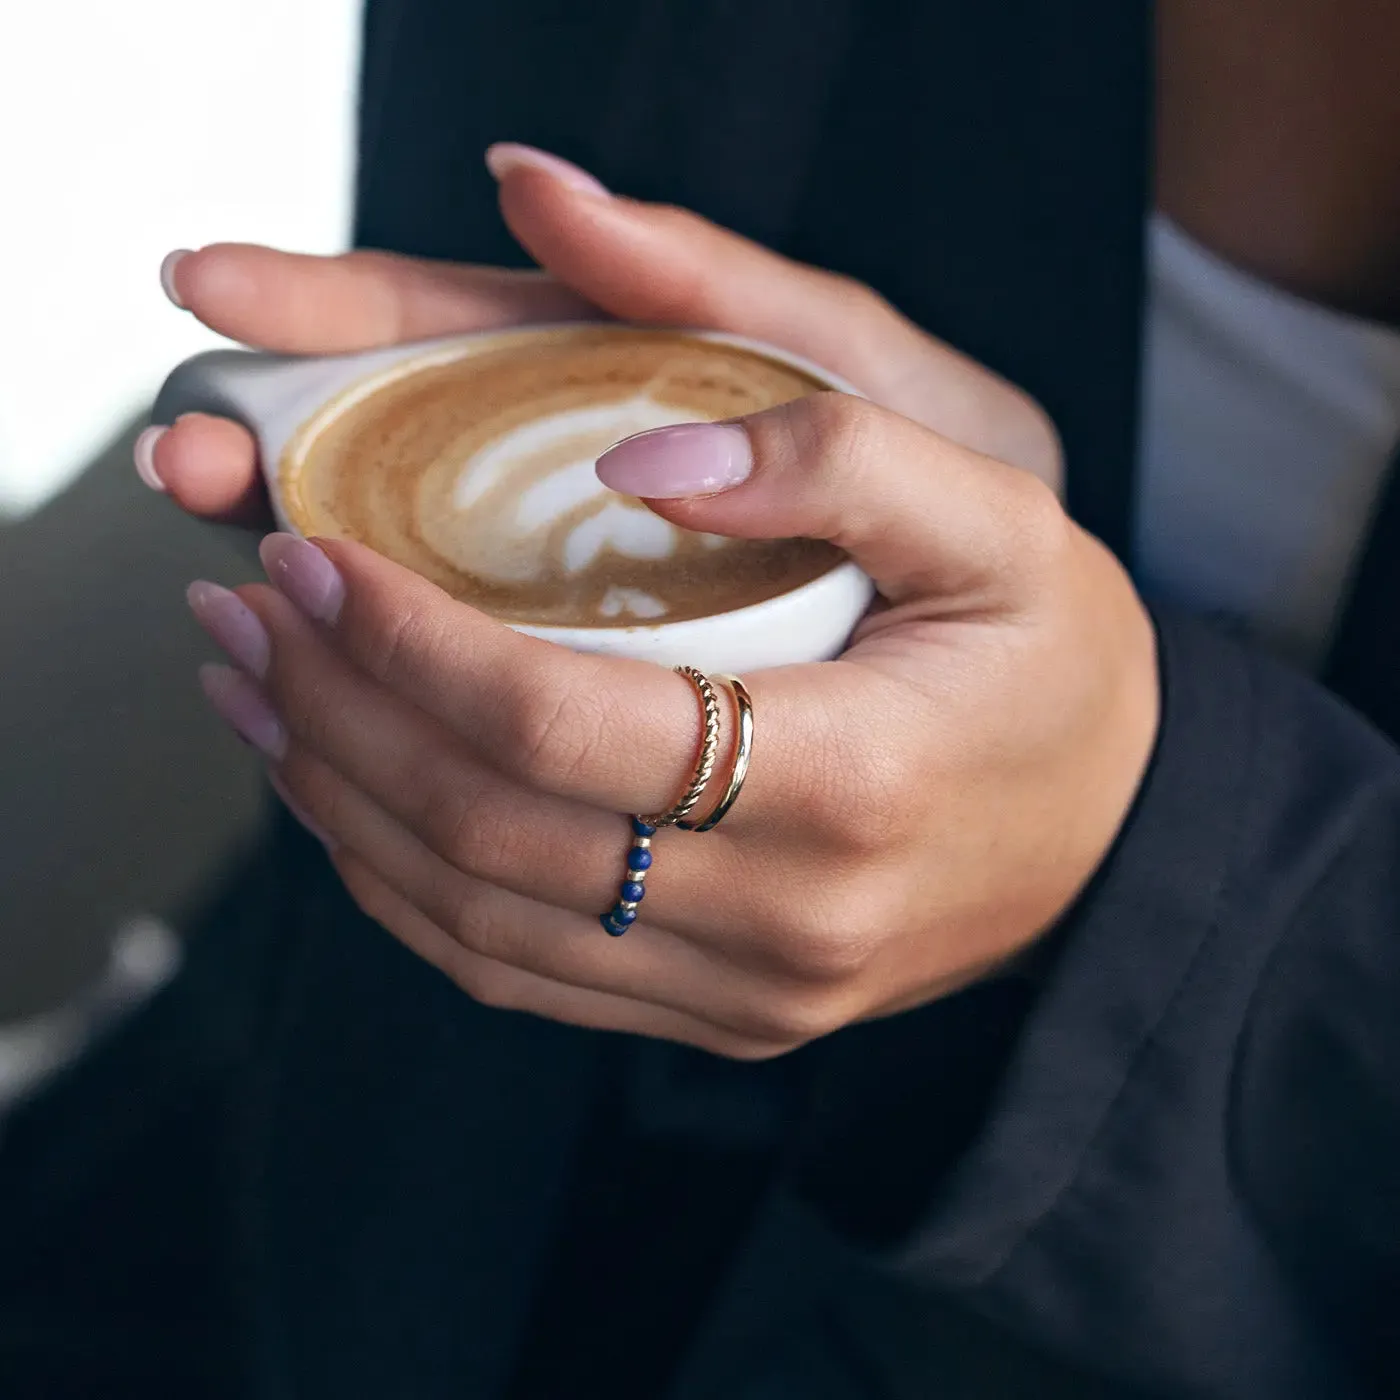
416 352
831 579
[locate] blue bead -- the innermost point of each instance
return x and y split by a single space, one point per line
638 859
615 929
640 828
625 917
633 891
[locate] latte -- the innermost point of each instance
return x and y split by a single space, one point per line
473 465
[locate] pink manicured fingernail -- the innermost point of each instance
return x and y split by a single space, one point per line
167 275
690 459
241 705
232 624
506 156
143 453
305 575
300 813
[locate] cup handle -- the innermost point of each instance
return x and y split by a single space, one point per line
246 385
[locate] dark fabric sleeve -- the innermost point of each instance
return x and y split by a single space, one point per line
1178 1164
1316 1097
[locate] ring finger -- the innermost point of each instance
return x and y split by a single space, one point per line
649 965
550 848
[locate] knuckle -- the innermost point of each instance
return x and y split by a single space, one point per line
677 219
869 798
373 908
474 836
550 732
385 314
331 803
867 319
864 784
393 636
692 292
494 845
827 944
1037 529
1034 442
468 922
840 426
834 957
310 710
836 435
797 1018
747 1049
491 984
370 897
448 820
854 296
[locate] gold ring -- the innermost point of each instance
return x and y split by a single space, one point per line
743 749
705 759
623 914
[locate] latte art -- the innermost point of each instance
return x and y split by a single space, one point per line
477 470
528 507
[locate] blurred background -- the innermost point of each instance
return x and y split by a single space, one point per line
125 131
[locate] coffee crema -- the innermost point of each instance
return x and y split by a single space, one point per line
474 466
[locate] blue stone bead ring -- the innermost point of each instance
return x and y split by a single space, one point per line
623 914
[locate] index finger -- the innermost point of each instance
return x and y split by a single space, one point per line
617 734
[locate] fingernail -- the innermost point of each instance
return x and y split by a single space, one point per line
167 275
143 452
241 705
506 156
689 459
305 575
300 813
232 624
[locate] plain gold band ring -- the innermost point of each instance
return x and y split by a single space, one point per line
743 750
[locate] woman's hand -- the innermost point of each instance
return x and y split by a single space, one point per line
602 256
917 813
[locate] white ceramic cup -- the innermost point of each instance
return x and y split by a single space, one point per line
277 397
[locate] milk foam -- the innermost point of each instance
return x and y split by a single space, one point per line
529 505
479 473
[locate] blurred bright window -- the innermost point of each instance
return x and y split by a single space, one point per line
127 130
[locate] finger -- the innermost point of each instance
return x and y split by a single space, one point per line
648 964
209 466
297 304
509 988
613 734
470 815
659 265
925 518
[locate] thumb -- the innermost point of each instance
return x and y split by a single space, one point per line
923 516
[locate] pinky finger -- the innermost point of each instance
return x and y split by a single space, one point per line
208 466
508 988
